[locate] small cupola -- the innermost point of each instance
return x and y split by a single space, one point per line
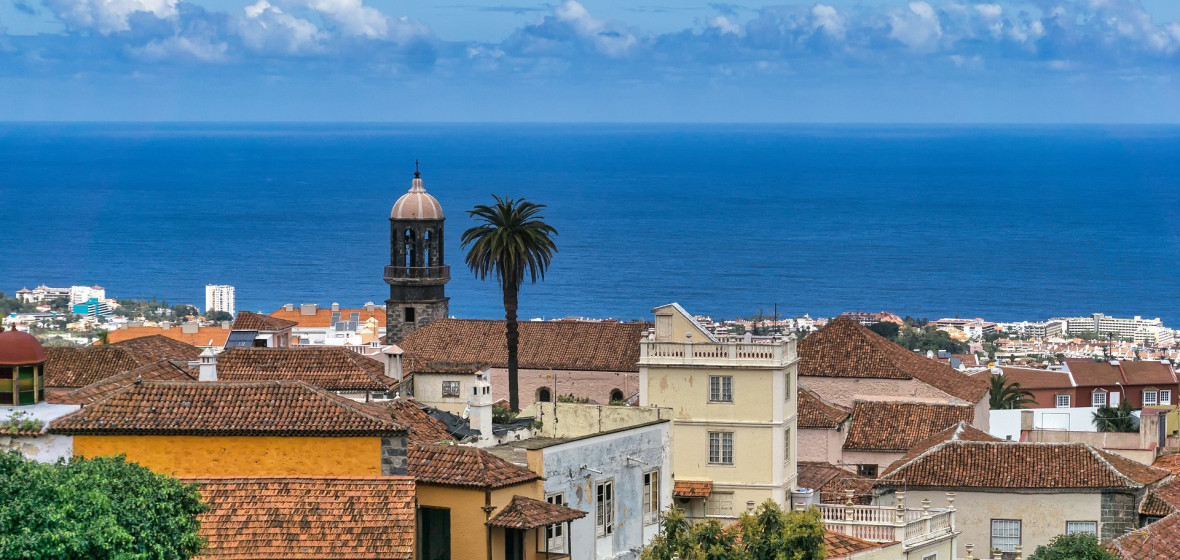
22 369
416 204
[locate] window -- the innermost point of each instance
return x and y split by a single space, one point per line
556 532
721 388
651 497
409 315
1062 401
543 395
787 446
1150 398
866 470
1088 527
721 448
1165 396
1005 534
604 509
450 389
931 556
719 504
1098 398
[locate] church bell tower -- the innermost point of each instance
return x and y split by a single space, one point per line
417 274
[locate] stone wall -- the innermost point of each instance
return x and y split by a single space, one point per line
1119 514
425 313
393 456
571 420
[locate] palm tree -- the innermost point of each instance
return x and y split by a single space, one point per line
1115 419
510 242
1006 395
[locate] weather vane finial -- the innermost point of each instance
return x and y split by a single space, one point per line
416 173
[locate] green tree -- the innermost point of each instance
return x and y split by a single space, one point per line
767 534
1078 546
1115 419
218 316
1007 395
887 329
104 508
511 241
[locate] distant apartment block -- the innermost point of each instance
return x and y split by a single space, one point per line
220 297
1150 332
1035 329
41 293
973 328
83 294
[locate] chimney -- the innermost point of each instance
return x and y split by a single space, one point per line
393 361
335 307
307 308
207 369
189 328
165 325
289 307
480 405
226 325
370 306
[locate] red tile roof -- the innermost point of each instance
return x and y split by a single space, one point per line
249 321
815 412
292 518
898 426
1170 462
692 488
205 336
845 348
159 371
832 483
423 427
1162 500
527 513
1090 374
463 466
1148 372
839 545
1029 378
560 345
961 431
79 367
333 368
323 316
275 408
972 464
1157 541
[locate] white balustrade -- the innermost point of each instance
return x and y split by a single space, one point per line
879 524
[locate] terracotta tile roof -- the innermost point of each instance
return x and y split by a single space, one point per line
463 466
815 412
423 427
249 321
275 408
79 367
1170 462
692 488
1148 372
845 348
265 518
205 336
839 545
832 483
960 431
1157 541
323 316
527 513
974 464
334 368
1029 378
1162 500
898 426
159 371
1090 373
561 345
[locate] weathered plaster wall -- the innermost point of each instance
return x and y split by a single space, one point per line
880 458
428 390
576 420
597 385
623 458
46 448
1042 515
242 455
820 445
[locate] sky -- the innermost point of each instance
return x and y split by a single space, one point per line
861 61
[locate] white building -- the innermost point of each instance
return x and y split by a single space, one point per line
41 293
220 297
1143 331
83 294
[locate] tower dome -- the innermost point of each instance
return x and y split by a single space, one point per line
19 349
416 204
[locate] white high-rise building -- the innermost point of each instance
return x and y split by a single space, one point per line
219 297
82 294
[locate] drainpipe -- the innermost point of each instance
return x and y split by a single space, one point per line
488 508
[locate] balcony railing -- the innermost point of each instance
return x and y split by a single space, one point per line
418 272
888 524
779 352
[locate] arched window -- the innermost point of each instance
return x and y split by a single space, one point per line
426 249
409 244
616 395
543 395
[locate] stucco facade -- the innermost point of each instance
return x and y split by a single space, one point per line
821 445
595 385
469 537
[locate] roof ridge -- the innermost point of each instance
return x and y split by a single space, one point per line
1101 457
294 478
929 450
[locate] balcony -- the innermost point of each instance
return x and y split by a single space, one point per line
776 353
439 273
911 527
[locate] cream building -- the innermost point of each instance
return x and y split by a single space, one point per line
734 414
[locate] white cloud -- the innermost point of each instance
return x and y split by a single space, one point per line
608 37
989 11
179 47
107 16
353 17
724 26
831 20
268 27
917 28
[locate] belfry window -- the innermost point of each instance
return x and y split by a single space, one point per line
409 246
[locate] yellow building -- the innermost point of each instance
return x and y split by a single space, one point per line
275 428
734 413
472 505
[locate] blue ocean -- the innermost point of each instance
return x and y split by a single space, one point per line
1001 222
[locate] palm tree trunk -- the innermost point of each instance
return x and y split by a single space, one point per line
512 337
